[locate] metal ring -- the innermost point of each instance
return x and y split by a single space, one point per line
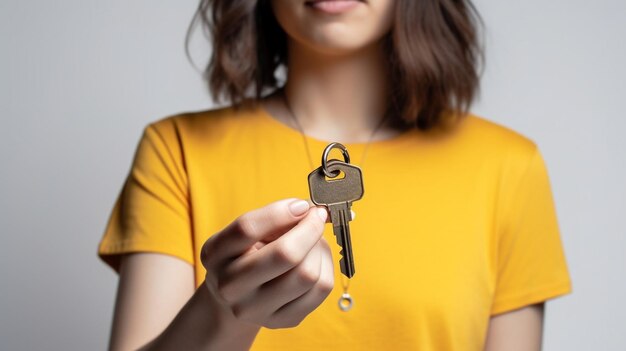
330 146
345 297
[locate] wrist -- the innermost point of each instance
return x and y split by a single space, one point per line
226 332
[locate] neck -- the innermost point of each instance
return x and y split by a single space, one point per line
337 97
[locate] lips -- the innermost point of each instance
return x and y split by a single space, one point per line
311 2
315 1
333 7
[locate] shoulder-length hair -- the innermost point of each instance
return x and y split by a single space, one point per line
434 55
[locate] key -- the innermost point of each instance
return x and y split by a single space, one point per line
337 195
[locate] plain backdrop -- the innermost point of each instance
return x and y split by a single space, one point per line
80 79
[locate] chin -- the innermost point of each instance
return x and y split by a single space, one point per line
337 38
334 35
335 47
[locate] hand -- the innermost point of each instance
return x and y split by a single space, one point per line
271 266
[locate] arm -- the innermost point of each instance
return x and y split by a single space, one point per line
270 267
157 303
517 330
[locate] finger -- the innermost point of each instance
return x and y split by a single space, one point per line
286 287
293 312
311 204
253 226
248 272
260 244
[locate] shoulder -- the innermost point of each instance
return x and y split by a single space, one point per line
202 125
512 156
497 135
507 146
205 120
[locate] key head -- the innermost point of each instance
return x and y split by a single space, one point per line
336 190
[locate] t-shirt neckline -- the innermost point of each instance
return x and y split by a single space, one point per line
268 118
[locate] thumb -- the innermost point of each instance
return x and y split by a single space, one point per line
262 224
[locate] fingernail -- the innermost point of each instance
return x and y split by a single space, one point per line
298 207
322 213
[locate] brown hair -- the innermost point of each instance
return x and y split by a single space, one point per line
434 55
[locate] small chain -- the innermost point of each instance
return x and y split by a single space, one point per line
345 285
295 119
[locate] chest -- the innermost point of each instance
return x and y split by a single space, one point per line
422 236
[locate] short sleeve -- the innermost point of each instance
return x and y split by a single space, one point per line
151 213
531 265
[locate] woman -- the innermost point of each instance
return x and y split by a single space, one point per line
456 245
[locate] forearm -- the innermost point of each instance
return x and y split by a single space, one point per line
520 329
202 324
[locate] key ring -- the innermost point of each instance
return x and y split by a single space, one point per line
345 297
330 146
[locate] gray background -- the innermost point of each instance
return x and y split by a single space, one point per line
80 79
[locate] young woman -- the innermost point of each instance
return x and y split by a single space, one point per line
455 242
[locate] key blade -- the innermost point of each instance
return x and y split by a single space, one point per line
342 235
347 269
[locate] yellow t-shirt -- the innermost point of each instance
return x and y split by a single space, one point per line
452 228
